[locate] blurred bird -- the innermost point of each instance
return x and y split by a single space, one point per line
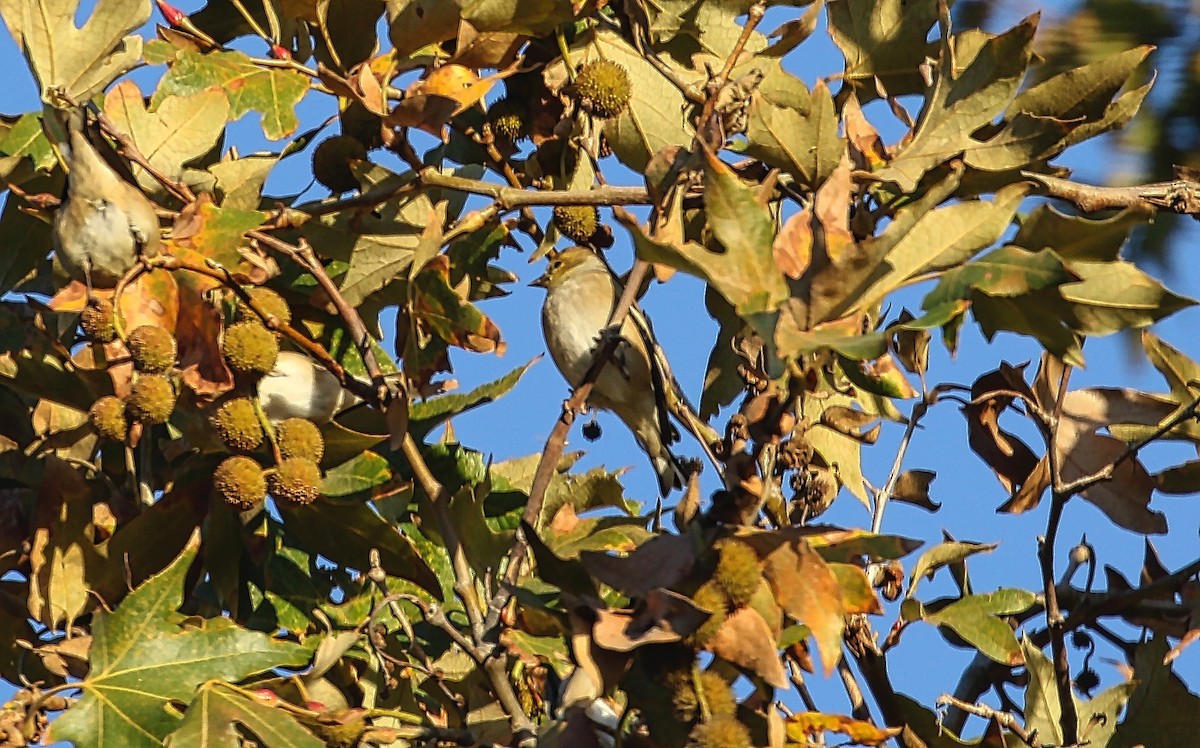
581 294
104 223
299 387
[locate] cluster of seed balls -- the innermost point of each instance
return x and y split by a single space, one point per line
152 397
734 582
250 351
603 88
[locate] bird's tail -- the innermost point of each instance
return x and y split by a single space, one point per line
669 470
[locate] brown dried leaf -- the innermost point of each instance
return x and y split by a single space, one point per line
912 487
794 244
1008 457
661 562
745 640
808 591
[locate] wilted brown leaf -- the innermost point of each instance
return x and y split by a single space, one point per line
745 640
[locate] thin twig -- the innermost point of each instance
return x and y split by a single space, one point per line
304 256
881 497
858 705
1003 719
1106 473
1069 719
131 152
511 198
495 667
552 453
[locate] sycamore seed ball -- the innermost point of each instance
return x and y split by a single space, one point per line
99 321
509 120
107 416
737 571
152 348
151 399
363 125
710 596
250 348
296 480
685 696
236 422
331 162
266 300
577 222
604 87
718 696
240 482
721 732
299 437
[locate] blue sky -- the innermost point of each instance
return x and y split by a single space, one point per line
967 491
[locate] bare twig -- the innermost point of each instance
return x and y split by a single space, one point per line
1069 719
304 256
1180 195
881 497
485 654
510 198
1004 719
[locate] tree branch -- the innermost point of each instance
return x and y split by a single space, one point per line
1179 196
489 656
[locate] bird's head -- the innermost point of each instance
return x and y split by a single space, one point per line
567 263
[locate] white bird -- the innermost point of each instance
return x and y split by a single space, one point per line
299 387
104 223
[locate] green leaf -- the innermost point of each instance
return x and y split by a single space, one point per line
362 473
485 547
966 96
81 61
1114 296
533 17
144 656
26 237
240 181
1077 237
945 238
218 714
1082 92
884 39
744 270
1162 711
1043 710
805 144
345 534
941 555
271 91
1007 271
657 113
179 130
846 546
378 246
426 415
974 618
27 138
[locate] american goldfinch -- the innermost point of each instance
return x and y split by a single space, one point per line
104 223
299 387
580 296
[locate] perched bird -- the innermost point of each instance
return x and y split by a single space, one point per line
299 387
104 223
581 293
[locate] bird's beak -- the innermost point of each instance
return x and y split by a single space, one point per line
542 281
